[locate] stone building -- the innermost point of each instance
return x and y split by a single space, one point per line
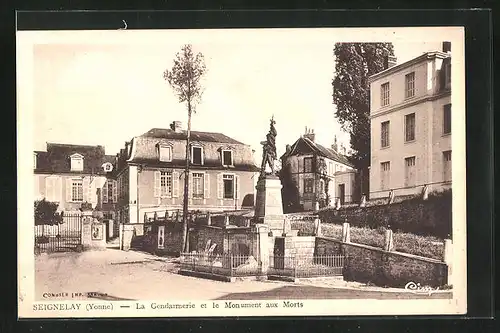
74 174
150 173
317 171
410 112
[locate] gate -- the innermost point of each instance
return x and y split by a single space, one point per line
66 236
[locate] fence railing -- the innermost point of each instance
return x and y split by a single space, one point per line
306 266
226 264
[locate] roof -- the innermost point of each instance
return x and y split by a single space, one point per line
195 136
411 62
144 150
57 158
307 144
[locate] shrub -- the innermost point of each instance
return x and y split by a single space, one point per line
432 217
46 213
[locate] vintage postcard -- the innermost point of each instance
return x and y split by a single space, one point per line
241 172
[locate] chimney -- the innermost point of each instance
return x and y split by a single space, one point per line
288 149
335 146
309 134
390 61
447 47
176 126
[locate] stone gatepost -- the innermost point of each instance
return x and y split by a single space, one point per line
388 243
260 245
317 227
93 232
126 233
346 233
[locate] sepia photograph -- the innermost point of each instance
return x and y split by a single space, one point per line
241 172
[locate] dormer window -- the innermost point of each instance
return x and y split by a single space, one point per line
165 153
76 162
107 167
227 157
197 155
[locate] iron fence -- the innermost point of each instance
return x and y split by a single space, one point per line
227 264
303 266
60 237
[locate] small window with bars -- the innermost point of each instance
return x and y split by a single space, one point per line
410 127
410 85
447 119
384 134
385 94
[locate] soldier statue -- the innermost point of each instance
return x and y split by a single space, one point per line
269 149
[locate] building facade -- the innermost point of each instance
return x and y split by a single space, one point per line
150 173
75 174
320 174
410 112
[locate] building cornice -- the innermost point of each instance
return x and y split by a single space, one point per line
413 102
409 63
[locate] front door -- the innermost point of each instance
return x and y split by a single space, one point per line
342 193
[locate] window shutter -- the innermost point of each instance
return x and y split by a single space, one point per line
220 186
191 187
48 188
236 187
175 184
86 190
115 191
58 196
157 188
104 192
69 183
206 185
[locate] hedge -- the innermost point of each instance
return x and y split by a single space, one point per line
432 217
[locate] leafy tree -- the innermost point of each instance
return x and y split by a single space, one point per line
46 213
184 78
354 64
289 191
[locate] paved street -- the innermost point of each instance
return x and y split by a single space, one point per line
133 275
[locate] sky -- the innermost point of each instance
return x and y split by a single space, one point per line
107 90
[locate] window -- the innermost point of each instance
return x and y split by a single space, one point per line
228 181
308 185
76 162
77 190
165 183
410 127
196 155
198 189
384 94
410 171
410 85
165 153
385 168
447 119
227 157
321 186
308 164
109 192
53 188
447 165
384 134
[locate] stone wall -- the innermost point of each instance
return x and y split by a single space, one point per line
368 264
172 238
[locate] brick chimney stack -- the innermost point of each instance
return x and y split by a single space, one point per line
176 126
309 134
390 61
447 47
335 146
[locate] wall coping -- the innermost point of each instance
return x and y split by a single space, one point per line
373 248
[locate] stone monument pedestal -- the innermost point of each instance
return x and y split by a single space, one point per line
268 204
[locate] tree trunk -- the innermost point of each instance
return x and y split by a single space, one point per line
186 185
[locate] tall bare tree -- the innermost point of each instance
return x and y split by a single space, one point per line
185 79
